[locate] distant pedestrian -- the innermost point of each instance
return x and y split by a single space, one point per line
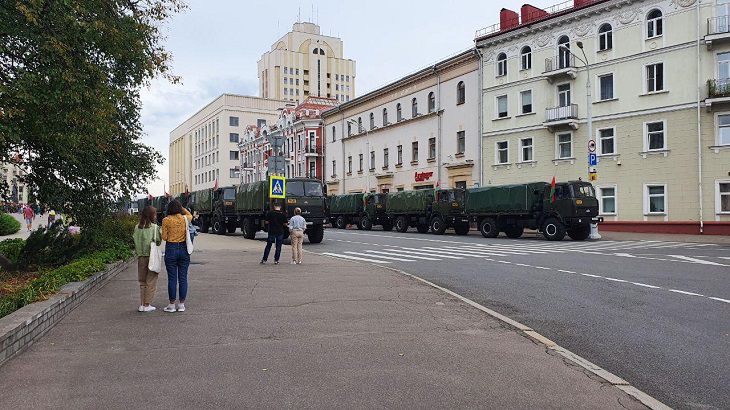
276 221
177 258
29 216
297 225
146 232
51 217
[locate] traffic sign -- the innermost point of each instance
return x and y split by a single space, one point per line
277 187
276 141
592 159
593 176
276 164
592 146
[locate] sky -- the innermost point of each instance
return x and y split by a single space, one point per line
216 44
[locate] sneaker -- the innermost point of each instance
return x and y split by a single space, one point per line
299 263
263 262
140 308
148 309
181 307
276 262
293 263
170 308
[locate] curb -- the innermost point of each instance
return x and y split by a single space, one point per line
26 325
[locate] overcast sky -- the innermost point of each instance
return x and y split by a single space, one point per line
216 43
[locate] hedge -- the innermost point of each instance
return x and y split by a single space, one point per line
8 225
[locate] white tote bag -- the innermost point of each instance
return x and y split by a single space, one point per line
155 264
188 241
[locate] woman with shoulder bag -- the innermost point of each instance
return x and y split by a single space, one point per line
178 247
145 233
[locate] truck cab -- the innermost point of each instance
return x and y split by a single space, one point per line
224 218
308 195
374 212
576 206
447 211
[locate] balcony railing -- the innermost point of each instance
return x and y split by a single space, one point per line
313 150
569 112
718 88
718 25
559 62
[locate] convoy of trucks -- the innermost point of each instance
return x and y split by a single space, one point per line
363 210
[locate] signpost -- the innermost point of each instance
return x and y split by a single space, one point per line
277 187
592 159
276 165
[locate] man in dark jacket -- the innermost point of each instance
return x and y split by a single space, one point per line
276 221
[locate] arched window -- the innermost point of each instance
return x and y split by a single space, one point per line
526 57
431 102
564 59
605 37
501 64
460 93
398 113
385 117
334 133
349 129
372 121
359 125
654 24
414 108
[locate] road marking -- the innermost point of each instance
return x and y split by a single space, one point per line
381 257
395 253
541 267
695 260
615 280
645 285
355 258
450 252
566 271
505 262
685 292
724 257
719 299
474 251
523 264
419 252
625 255
592 276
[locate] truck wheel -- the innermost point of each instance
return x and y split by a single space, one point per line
422 228
553 230
438 227
401 224
580 233
204 225
387 226
514 232
366 223
488 228
315 234
218 226
461 229
340 223
248 229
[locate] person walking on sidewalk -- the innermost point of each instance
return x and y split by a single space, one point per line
144 233
297 225
177 258
276 220
29 216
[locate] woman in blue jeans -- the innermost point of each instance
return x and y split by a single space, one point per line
177 259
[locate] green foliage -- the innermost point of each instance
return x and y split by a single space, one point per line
11 248
8 225
50 246
70 74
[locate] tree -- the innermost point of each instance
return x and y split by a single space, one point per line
70 75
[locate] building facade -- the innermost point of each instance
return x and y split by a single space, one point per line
653 75
205 148
304 63
17 192
421 131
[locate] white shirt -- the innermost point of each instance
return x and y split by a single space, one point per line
297 222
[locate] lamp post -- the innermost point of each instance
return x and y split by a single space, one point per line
589 113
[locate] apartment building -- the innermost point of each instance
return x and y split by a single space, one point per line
421 131
304 63
204 149
653 76
17 191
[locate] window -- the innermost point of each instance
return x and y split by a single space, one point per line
654 77
334 167
286 71
359 125
349 164
334 134
233 121
526 101
400 155
564 95
723 197
460 93
398 113
723 129
655 139
431 102
605 86
286 80
606 141
654 26
260 122
349 129
235 172
432 148
360 159
501 64
385 117
460 142
656 199
313 170
414 108
372 160
233 155
526 150
526 58
385 158
605 37
564 52
564 146
233 137
414 151
502 106
502 152
607 200
372 121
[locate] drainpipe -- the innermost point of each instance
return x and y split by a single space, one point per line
438 135
480 127
699 126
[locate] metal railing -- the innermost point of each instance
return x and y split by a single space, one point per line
559 62
568 112
313 150
718 25
718 87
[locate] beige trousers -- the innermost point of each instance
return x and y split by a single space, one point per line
297 239
147 280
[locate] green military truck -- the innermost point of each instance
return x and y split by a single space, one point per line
363 210
512 208
447 211
410 208
214 210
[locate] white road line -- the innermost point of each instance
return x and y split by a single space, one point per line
355 258
592 276
719 299
505 262
566 271
645 285
541 267
724 257
476 252
452 252
695 260
625 255
615 280
506 249
523 264
395 253
381 257
685 292
419 252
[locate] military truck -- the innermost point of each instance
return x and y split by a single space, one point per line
512 208
410 208
447 211
363 210
214 210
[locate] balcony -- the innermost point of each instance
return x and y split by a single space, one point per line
560 66
718 93
558 117
313 151
718 30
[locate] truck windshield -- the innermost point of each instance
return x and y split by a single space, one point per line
229 193
304 188
457 196
583 191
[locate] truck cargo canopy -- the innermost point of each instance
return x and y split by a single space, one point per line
346 204
518 198
409 201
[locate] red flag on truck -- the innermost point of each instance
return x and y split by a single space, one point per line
215 187
552 191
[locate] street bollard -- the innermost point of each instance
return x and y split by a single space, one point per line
594 236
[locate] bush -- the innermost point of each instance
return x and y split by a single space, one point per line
11 248
8 225
50 246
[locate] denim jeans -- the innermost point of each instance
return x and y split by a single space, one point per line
269 241
177 261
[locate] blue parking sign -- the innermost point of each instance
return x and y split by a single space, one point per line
592 160
277 187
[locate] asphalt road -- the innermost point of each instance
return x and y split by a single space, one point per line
654 313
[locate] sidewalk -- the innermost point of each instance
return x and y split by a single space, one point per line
325 334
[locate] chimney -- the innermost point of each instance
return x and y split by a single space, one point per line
508 19
531 13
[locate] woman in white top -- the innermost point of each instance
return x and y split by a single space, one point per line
297 225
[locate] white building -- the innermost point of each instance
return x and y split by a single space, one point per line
16 191
304 63
420 131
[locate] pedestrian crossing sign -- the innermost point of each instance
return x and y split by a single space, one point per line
277 187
